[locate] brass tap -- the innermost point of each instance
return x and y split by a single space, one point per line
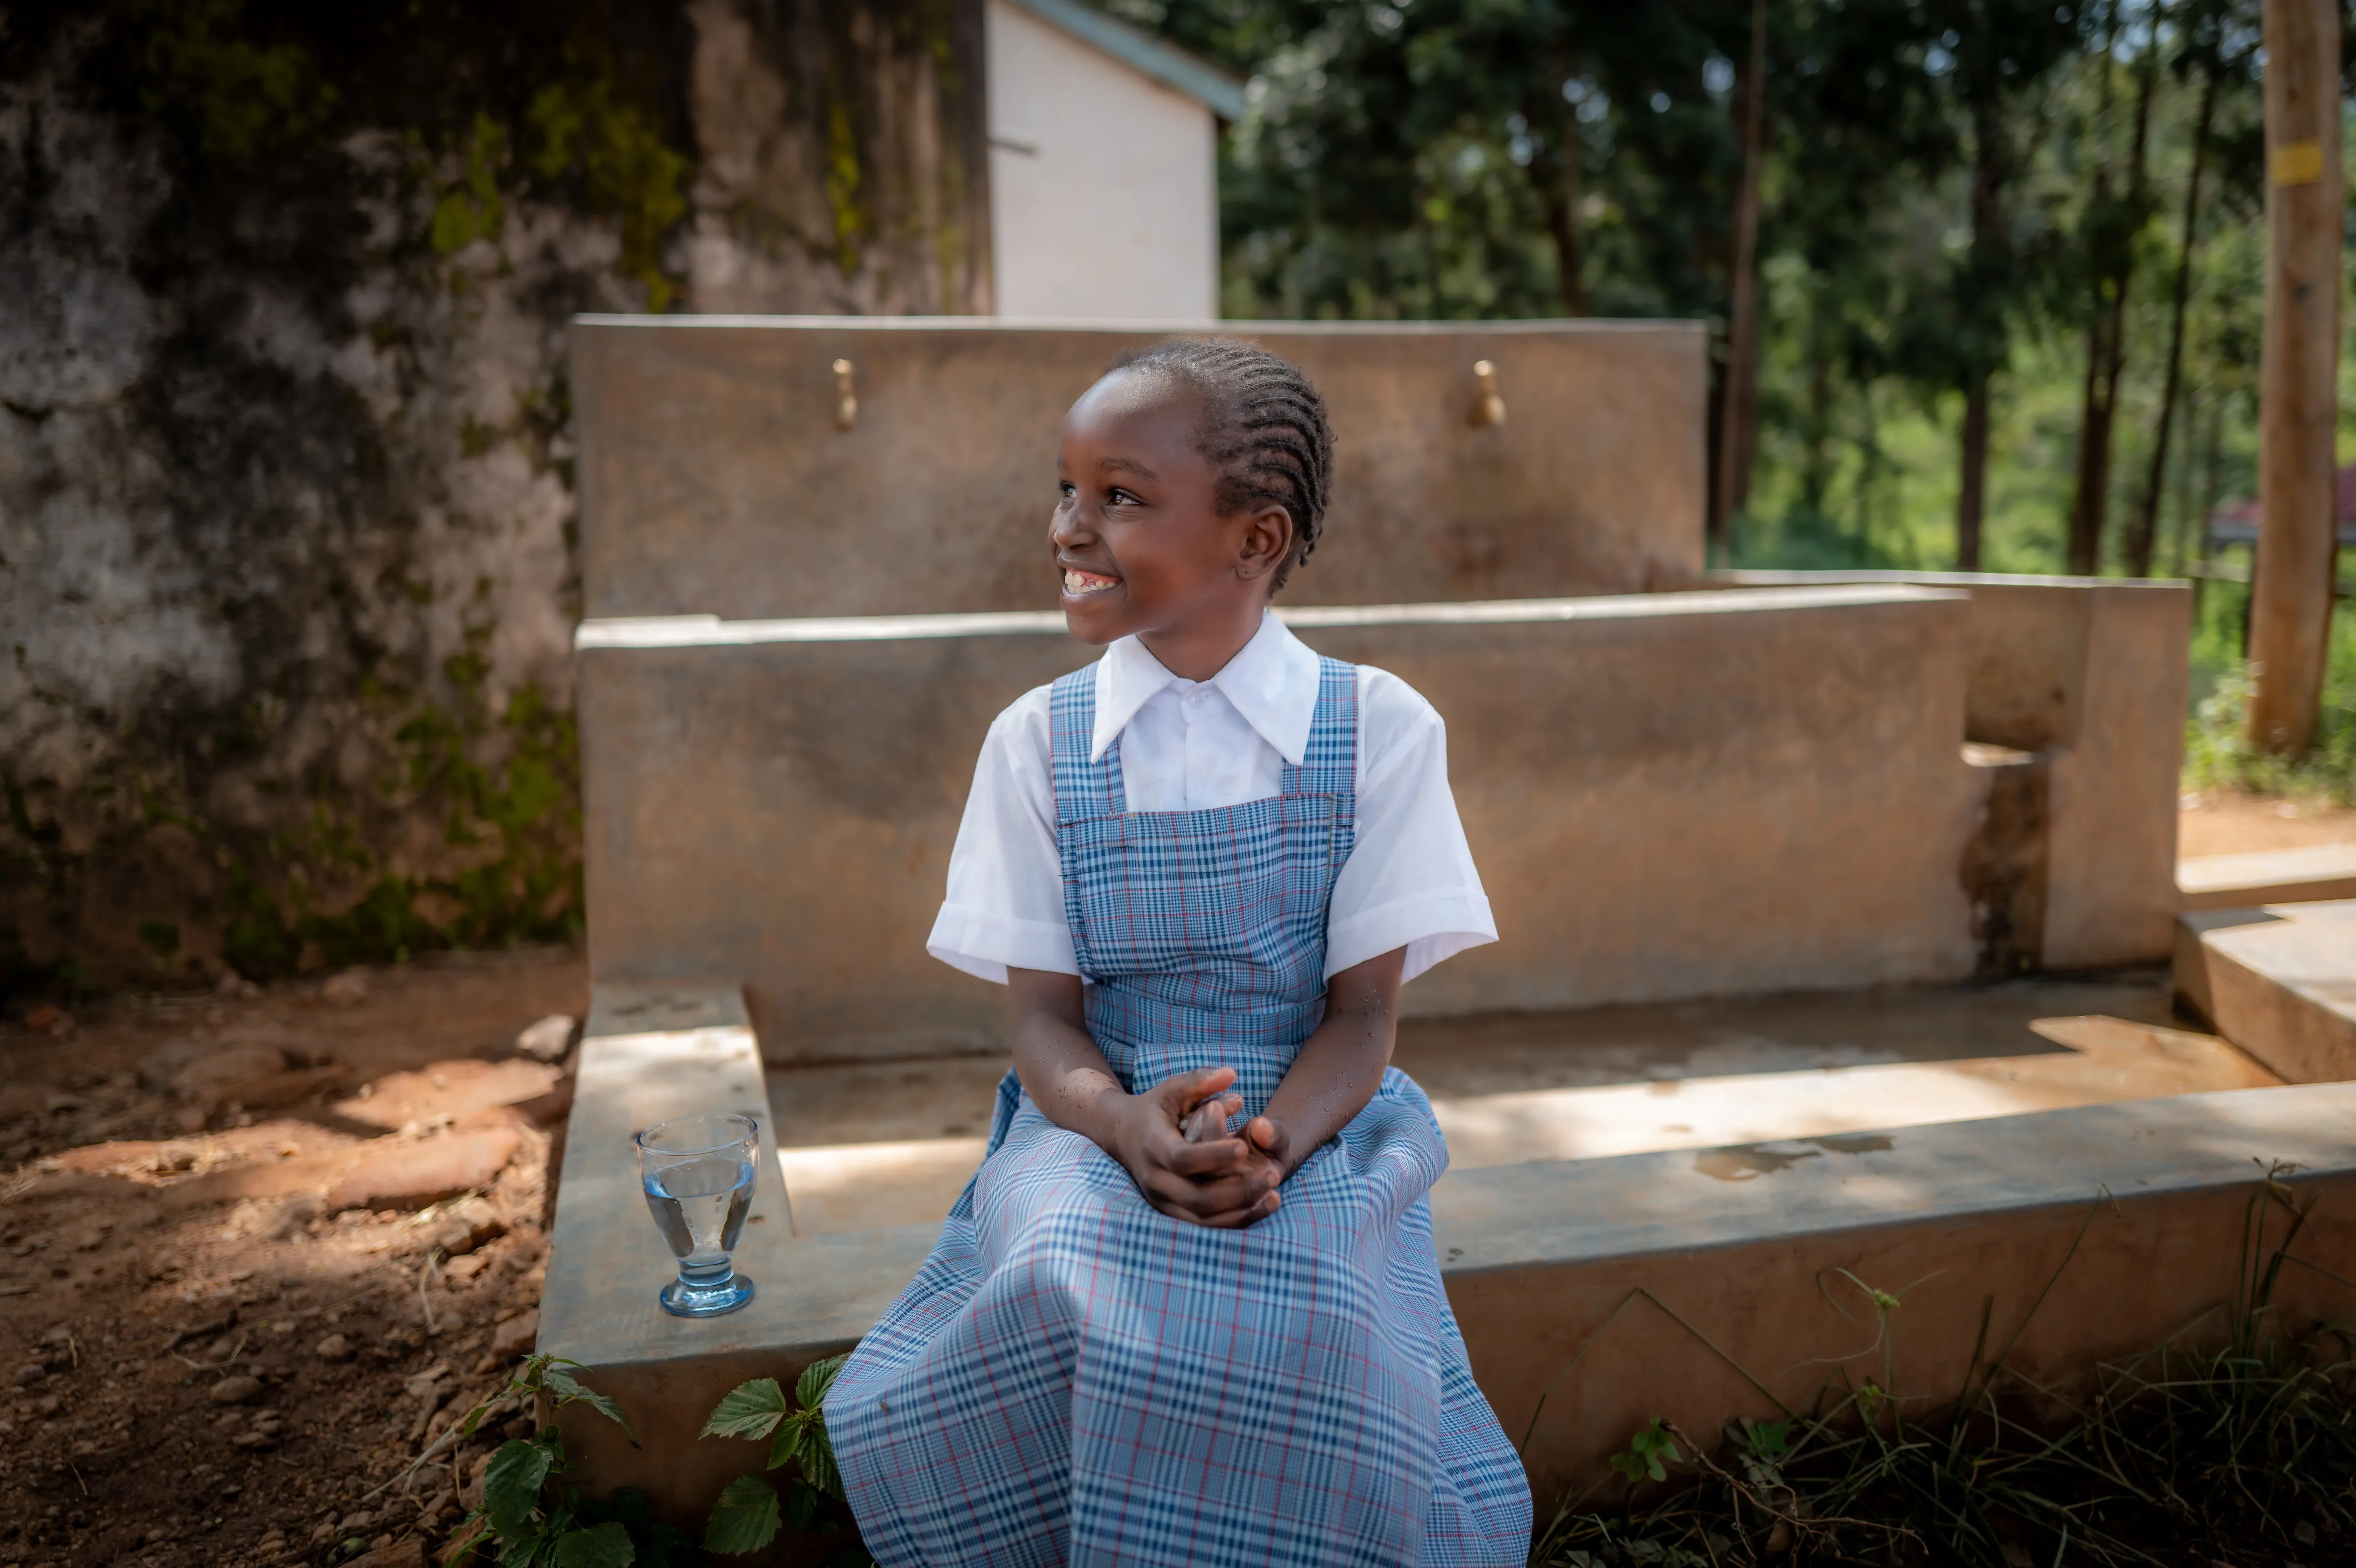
846 399
1491 409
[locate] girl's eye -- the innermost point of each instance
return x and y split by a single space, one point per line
1123 499
1063 488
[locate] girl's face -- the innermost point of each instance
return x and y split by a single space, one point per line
1138 535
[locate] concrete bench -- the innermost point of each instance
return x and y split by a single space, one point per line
2317 873
2279 981
1675 794
1615 1282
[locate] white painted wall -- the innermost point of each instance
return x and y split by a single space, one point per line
1103 182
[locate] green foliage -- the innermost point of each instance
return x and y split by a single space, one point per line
529 1518
614 153
244 100
471 208
750 1512
1649 1453
2216 756
2232 1444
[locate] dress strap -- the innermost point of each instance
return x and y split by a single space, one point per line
1084 789
1329 765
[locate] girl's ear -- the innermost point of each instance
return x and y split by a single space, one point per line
1268 541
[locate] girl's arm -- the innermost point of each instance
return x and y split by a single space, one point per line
1337 1071
1216 1183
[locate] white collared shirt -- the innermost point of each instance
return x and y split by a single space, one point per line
1196 746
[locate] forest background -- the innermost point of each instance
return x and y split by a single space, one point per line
288 559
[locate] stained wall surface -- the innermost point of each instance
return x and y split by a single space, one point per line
1668 795
2086 675
715 480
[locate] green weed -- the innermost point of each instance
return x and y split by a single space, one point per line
750 1512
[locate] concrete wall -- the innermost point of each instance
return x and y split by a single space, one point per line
1669 796
714 479
2088 675
1104 184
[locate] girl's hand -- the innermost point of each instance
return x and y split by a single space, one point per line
1222 1182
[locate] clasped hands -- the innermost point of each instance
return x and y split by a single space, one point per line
1225 1182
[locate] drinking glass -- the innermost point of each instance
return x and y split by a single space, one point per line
699 1173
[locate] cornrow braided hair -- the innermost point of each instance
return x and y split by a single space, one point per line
1263 429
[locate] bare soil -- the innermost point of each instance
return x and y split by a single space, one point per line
257 1250
2222 822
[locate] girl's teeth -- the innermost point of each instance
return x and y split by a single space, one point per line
1083 583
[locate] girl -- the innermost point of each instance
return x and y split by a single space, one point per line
1203 865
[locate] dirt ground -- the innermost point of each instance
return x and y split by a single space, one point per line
257 1248
2217 822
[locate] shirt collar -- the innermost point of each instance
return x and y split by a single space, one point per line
1272 682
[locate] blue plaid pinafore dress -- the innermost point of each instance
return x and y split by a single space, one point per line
1076 1378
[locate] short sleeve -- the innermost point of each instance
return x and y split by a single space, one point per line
1005 903
1409 881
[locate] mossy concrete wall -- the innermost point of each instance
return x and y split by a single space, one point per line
287 554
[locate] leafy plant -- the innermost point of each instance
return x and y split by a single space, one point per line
529 1518
750 1510
1648 1454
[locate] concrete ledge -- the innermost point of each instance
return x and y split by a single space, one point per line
1662 792
1568 1275
2089 673
2316 874
714 479
646 1054
2279 981
1966 1222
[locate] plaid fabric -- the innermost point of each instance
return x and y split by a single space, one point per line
1076 1378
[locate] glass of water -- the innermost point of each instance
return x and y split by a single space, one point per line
699 1173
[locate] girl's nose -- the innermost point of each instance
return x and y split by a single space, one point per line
1067 527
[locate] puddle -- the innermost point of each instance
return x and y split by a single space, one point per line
1748 1162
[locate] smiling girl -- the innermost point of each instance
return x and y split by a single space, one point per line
1187 1311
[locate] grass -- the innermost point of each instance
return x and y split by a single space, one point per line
2232 1444
2214 754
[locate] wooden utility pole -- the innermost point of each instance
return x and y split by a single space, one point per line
2298 367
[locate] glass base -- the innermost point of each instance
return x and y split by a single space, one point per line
683 1298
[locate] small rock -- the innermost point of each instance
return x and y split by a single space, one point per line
235 1390
334 1347
48 1016
58 1104
353 1523
519 1429
550 1039
468 1224
460 1270
47 1404
517 1336
348 989
30 1374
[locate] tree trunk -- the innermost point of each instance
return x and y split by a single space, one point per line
1971 494
1738 425
1984 328
2144 527
2290 597
1553 168
2114 266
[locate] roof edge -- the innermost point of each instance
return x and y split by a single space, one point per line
1211 86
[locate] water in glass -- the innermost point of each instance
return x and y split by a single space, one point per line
699 1173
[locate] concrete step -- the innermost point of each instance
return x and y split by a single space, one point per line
2315 874
2279 981
2137 1203
865 1145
